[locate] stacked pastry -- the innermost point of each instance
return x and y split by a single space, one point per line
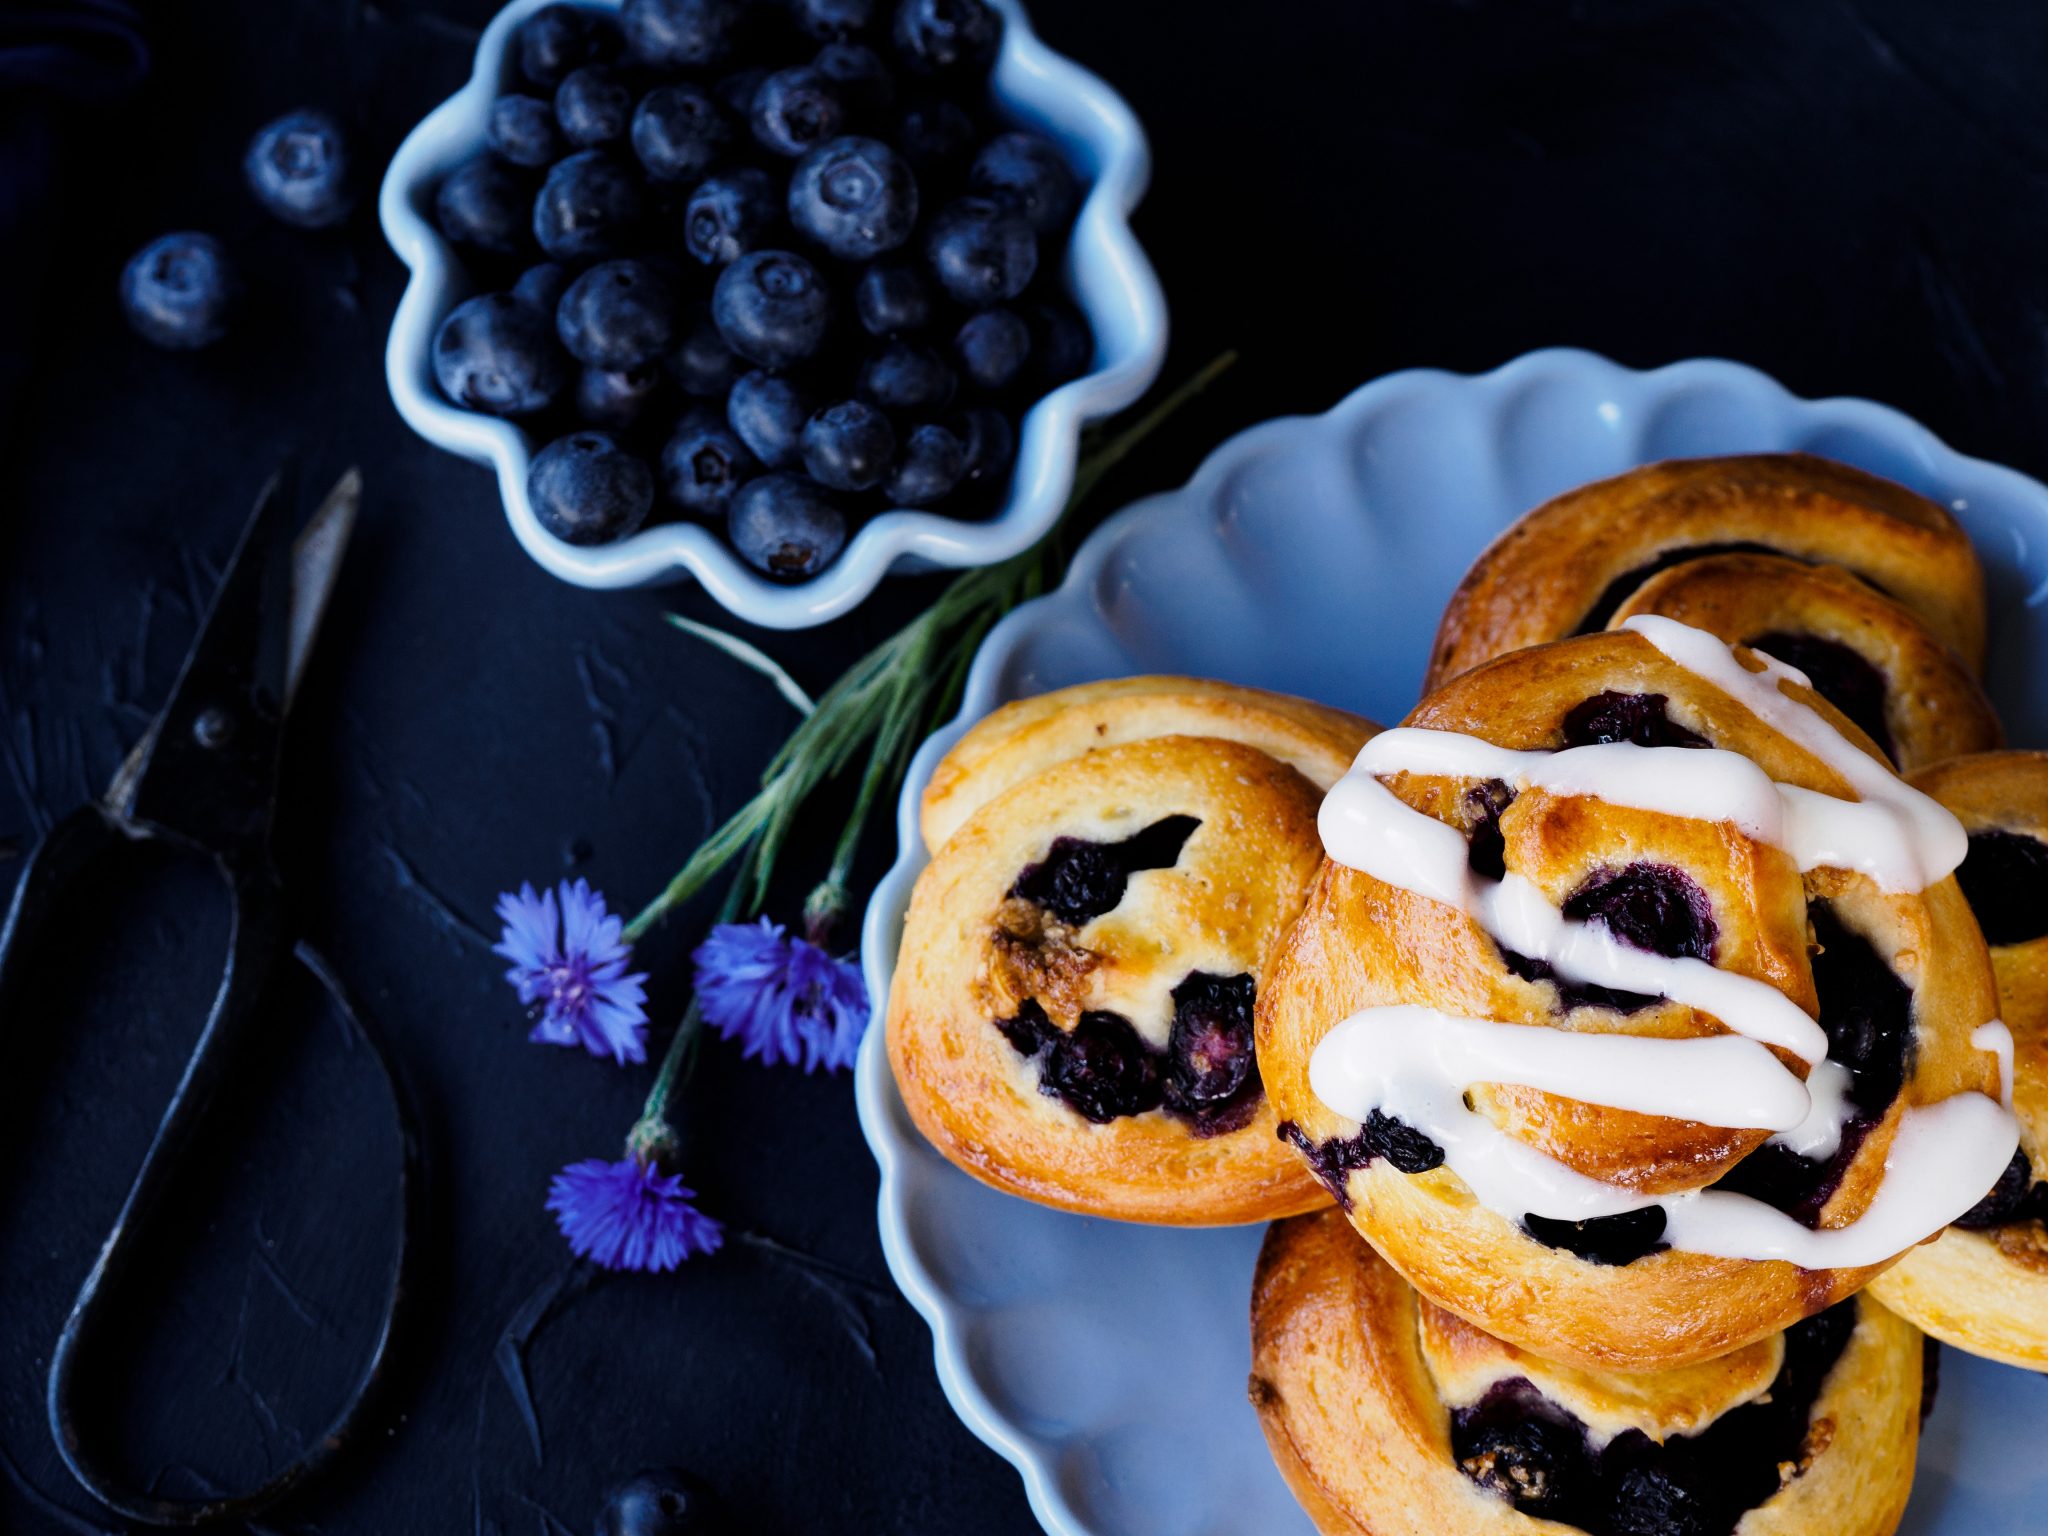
1625 1000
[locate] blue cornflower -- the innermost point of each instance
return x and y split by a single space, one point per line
782 998
569 967
630 1215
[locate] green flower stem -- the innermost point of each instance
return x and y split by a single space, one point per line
886 702
653 1138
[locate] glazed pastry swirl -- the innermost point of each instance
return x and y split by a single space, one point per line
1416 1065
1636 1013
1983 1285
1072 1013
1807 1433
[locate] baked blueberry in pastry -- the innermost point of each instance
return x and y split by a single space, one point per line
1071 1018
1635 1014
1390 1416
1569 567
1983 1286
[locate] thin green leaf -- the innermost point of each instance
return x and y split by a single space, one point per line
752 656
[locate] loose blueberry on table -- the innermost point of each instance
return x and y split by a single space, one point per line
179 291
664 1501
786 259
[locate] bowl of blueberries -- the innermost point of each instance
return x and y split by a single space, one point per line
779 295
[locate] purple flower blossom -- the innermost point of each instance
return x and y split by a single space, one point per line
630 1215
569 968
782 998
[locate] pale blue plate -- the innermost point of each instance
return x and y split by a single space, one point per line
1108 1362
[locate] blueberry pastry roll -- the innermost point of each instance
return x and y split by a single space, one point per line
1983 1286
1869 656
1027 736
1635 1013
1390 1416
1071 1018
1569 566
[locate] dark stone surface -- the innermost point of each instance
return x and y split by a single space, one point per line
1846 195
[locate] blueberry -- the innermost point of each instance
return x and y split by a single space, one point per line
768 412
542 285
1102 1069
179 290
1616 1240
1027 171
794 110
931 465
947 37
856 197
524 131
298 168
1669 1497
787 526
2007 1200
498 354
1653 907
860 77
2005 880
586 489
1537 1462
848 446
487 205
594 106
558 38
619 314
992 348
1079 878
1062 347
905 376
1638 717
729 215
618 400
679 132
936 137
833 18
679 34
981 252
703 364
703 464
772 307
990 442
736 91
1840 674
891 299
663 1502
589 208
1209 1049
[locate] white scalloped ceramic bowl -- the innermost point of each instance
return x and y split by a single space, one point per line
1313 554
1106 272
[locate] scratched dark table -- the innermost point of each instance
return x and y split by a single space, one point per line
1849 196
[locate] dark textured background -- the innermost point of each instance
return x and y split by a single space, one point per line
1850 197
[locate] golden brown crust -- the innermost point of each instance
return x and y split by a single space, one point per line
1934 707
1353 1417
970 957
1361 942
1027 736
1543 578
1466 1362
1987 1292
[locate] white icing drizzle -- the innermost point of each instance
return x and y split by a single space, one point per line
1996 1038
1902 839
1720 1080
1368 827
1416 1063
1819 1135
